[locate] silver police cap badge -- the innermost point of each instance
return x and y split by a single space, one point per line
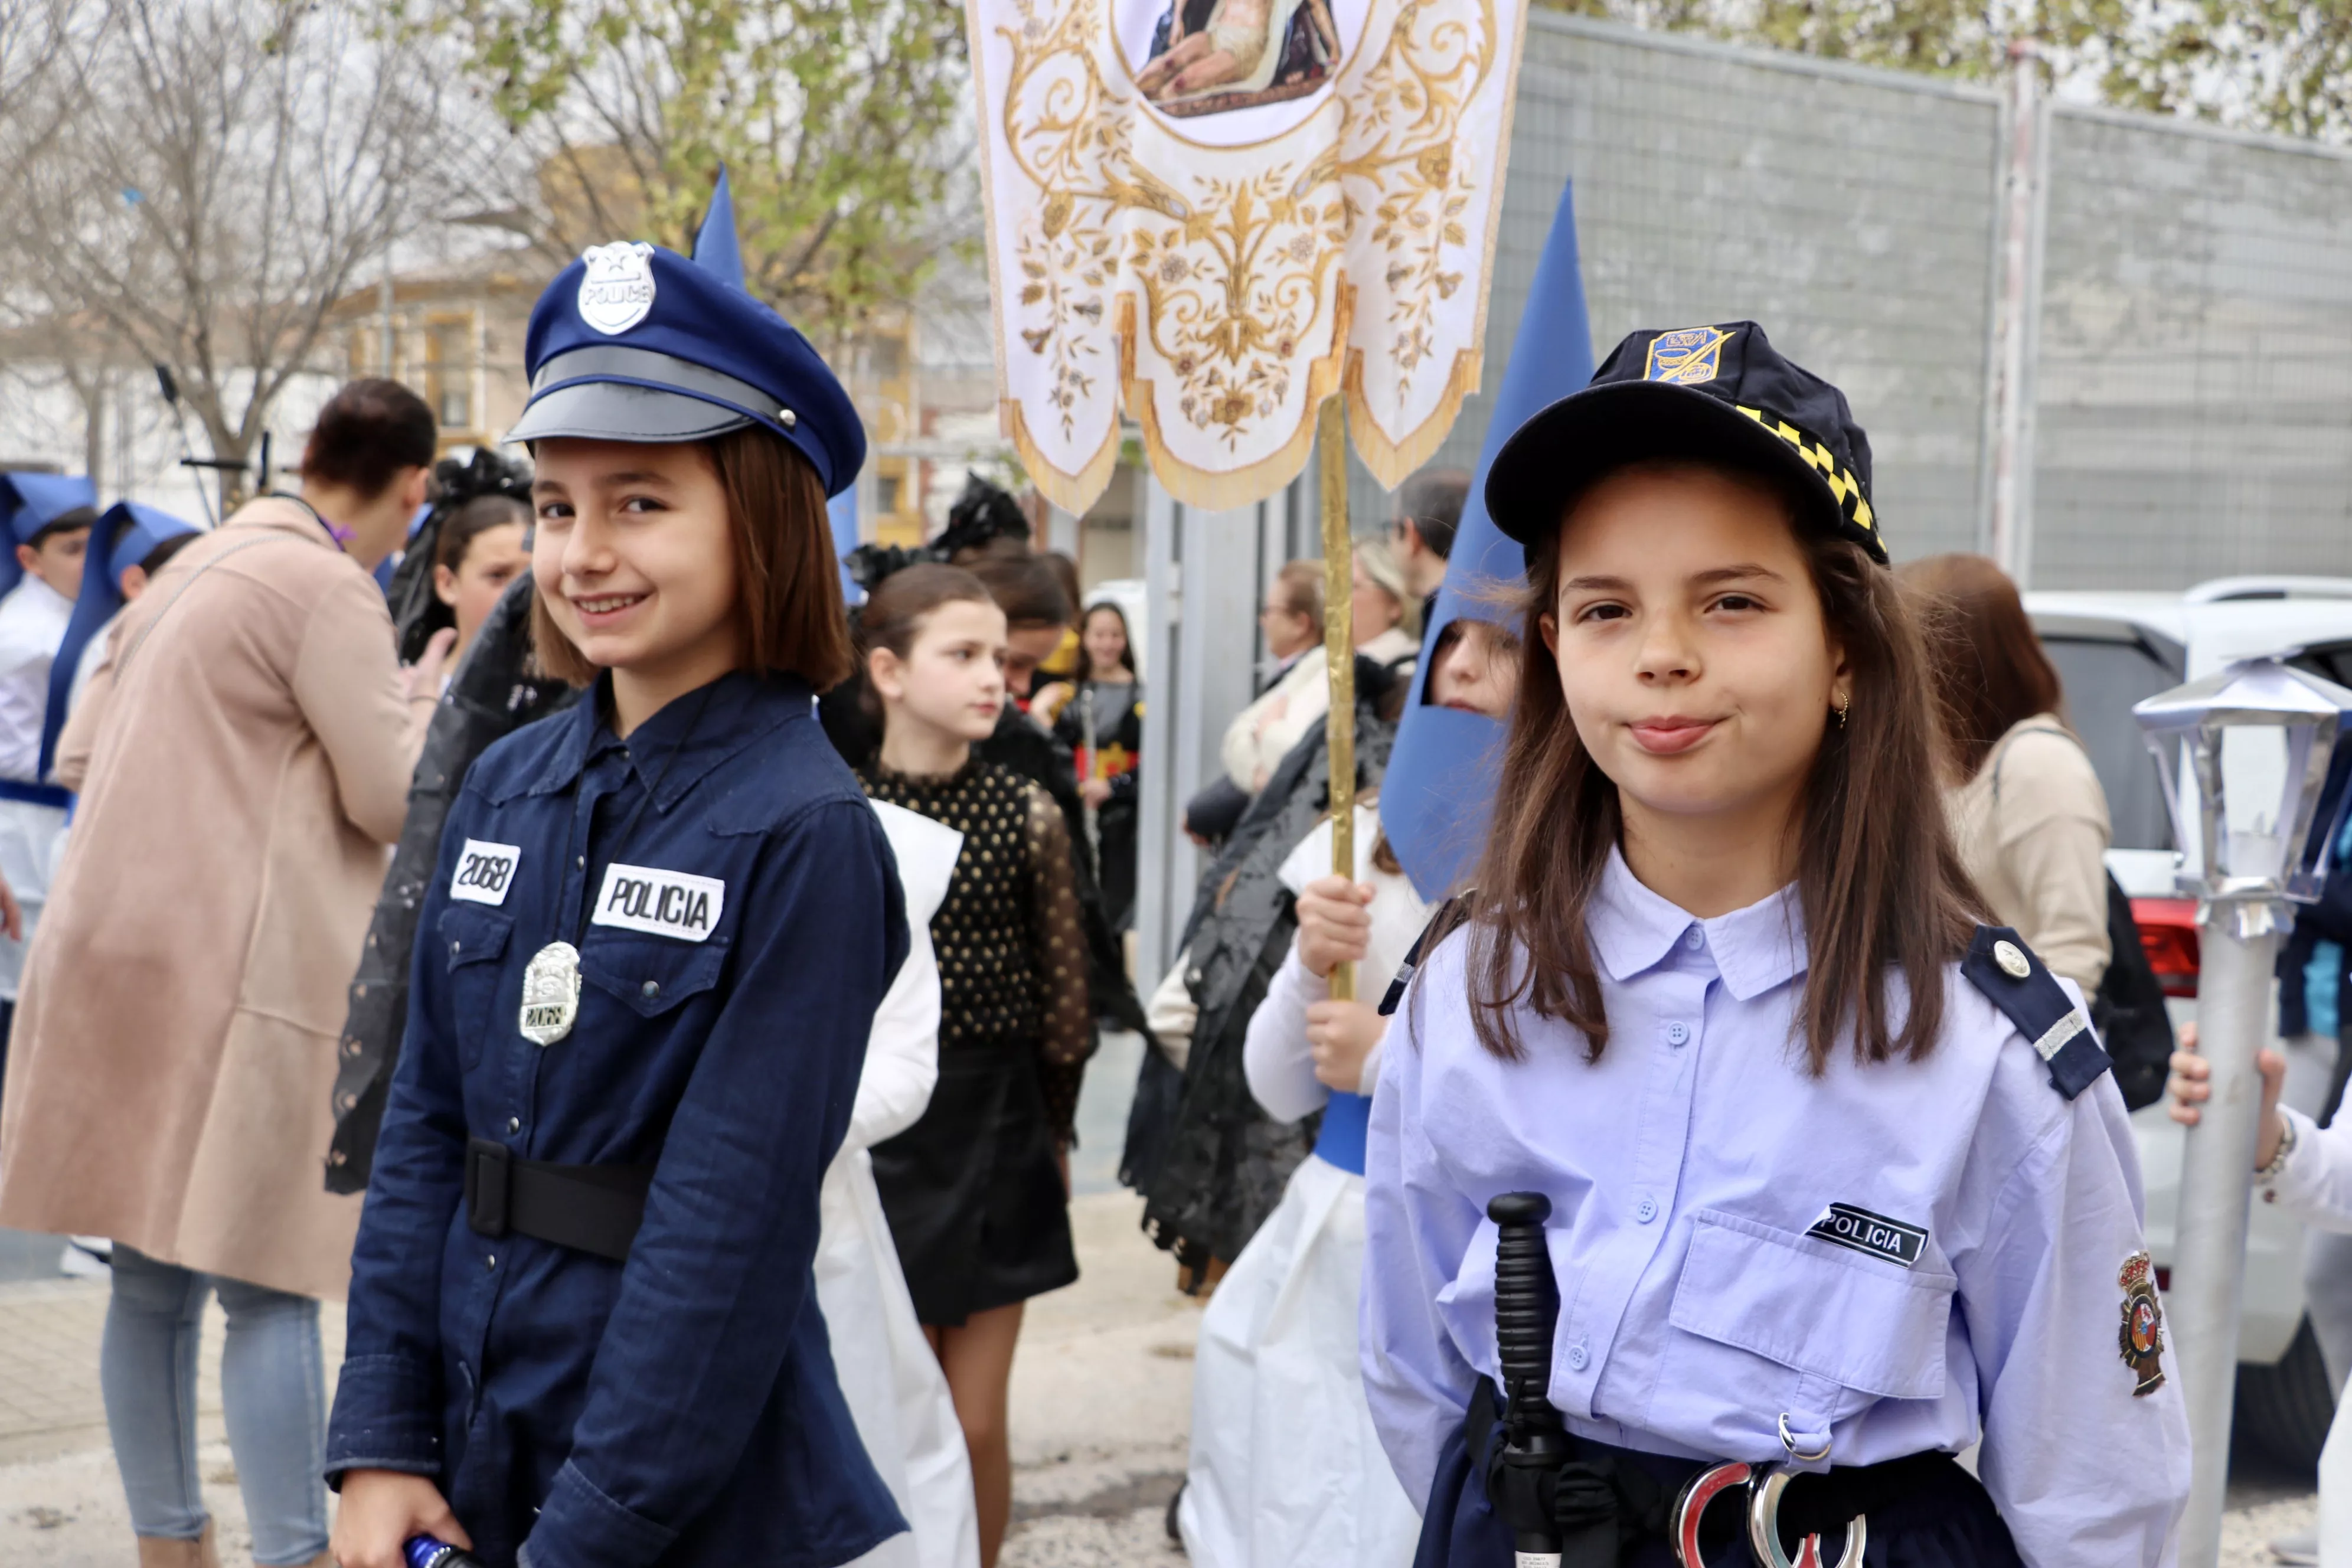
551 994
618 291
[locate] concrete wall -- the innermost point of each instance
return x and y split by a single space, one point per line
2195 372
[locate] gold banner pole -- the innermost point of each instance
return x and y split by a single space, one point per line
1338 647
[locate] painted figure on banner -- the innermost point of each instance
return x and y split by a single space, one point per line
1212 55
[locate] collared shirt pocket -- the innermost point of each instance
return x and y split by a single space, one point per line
1772 1322
474 941
650 975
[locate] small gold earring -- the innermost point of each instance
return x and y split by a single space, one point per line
1843 702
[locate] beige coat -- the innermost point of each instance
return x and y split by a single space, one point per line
1262 734
243 756
2033 830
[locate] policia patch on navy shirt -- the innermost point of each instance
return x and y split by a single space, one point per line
2000 964
659 902
1872 1233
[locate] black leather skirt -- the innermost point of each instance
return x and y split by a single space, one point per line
972 1191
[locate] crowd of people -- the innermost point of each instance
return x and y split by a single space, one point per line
700 978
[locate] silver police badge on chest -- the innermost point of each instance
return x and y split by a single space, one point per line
551 994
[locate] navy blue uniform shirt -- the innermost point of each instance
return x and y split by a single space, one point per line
738 917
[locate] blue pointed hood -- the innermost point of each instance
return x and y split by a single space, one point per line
716 250
1438 795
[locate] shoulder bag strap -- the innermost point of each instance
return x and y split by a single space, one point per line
2001 750
122 665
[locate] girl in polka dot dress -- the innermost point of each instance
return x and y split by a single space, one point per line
977 1191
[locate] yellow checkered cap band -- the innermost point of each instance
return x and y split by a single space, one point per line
1844 486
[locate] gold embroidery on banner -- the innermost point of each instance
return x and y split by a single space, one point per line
1231 280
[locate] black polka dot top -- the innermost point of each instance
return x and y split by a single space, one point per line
1012 961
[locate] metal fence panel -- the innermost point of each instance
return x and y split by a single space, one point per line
1850 211
2193 376
2196 358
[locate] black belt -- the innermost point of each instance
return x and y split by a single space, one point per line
1607 1499
590 1208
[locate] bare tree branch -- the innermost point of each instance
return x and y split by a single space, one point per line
206 178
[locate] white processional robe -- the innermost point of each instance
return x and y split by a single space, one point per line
888 1374
33 621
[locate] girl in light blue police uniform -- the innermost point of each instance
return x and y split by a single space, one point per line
582 1329
1838 1180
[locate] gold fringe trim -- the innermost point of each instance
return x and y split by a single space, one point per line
1390 462
1393 462
1074 493
1214 490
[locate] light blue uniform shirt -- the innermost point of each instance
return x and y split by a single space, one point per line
1685 1170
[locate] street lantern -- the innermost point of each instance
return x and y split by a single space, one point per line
2243 755
2256 740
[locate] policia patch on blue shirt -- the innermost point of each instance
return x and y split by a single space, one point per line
2000 964
1874 1234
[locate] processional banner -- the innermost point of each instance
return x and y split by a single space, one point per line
1219 211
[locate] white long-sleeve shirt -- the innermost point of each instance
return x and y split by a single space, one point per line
1275 1058
2316 1186
33 618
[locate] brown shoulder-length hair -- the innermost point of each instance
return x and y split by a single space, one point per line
1988 668
788 581
894 613
1881 888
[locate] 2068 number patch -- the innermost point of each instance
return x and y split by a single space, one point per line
485 872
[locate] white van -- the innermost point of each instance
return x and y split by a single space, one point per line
2111 649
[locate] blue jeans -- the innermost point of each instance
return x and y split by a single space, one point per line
273 1393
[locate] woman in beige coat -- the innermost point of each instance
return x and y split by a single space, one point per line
242 758
2027 808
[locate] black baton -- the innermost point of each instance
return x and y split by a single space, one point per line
1527 1311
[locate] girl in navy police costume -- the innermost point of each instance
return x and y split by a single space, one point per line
1838 1178
582 1333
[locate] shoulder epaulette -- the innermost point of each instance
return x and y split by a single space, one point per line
1439 923
2000 964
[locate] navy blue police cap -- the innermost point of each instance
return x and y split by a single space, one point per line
634 343
1718 391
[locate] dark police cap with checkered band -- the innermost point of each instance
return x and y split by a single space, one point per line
634 343
1719 390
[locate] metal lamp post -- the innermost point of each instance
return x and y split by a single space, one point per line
2255 740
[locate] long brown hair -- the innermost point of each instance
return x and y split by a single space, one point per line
894 613
1988 669
1881 888
787 580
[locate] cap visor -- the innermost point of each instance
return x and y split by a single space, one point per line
1557 455
618 411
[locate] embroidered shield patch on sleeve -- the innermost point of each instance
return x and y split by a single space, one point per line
2141 1338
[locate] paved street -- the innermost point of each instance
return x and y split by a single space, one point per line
1101 1399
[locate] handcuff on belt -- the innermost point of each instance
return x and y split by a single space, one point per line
1765 1485
1526 1307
